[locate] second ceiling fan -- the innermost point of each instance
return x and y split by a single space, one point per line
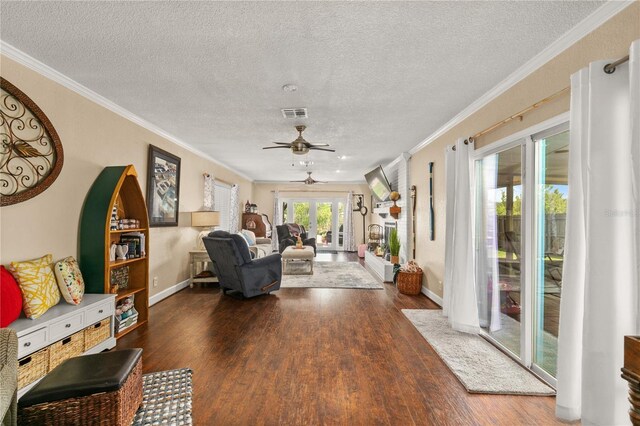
300 146
309 180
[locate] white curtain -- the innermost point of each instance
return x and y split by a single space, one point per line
234 220
487 276
599 291
460 304
209 191
348 231
277 220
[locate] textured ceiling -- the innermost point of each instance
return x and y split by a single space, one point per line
377 78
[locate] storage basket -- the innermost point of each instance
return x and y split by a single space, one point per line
66 348
97 333
123 324
33 367
409 282
105 408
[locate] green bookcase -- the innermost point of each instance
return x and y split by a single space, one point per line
116 185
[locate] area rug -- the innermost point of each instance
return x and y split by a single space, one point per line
166 398
332 275
480 366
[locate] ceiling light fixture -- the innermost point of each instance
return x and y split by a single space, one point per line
341 157
289 88
306 163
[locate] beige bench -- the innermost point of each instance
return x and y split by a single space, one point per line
294 255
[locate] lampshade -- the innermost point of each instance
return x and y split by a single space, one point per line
205 219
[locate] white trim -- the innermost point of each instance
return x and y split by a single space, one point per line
515 138
586 26
431 295
45 70
405 156
168 292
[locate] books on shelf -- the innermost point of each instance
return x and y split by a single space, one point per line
136 242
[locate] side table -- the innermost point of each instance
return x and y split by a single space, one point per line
199 257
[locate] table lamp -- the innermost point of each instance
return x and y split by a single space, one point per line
207 220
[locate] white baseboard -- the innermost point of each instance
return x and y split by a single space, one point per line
431 295
168 292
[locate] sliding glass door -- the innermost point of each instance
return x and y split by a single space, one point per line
499 239
551 192
520 221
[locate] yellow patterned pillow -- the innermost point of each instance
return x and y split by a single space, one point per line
38 284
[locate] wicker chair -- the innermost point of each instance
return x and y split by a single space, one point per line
8 377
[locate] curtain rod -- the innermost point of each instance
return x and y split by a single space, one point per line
206 175
609 69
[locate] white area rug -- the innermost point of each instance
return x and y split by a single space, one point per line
333 275
480 366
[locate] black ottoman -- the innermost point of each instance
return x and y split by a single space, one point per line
100 389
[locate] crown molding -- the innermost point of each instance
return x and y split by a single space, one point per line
405 156
45 70
568 39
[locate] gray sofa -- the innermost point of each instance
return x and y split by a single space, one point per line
8 377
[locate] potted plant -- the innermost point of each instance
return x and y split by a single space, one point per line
394 246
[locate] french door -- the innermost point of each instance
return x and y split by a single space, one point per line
322 218
521 192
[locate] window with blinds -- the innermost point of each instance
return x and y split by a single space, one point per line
222 204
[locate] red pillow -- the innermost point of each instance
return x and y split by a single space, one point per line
10 298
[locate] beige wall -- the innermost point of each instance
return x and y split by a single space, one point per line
263 197
94 137
611 40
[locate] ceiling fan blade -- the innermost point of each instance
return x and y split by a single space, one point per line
275 147
319 144
297 181
282 143
322 149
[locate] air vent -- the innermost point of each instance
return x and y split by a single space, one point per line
294 113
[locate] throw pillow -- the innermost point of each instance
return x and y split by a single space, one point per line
69 280
244 238
250 236
38 284
10 298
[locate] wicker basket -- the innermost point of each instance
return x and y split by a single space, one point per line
33 367
104 408
66 348
97 333
409 282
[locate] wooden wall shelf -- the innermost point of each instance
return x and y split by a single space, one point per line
115 186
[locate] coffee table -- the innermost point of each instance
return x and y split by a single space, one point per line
295 255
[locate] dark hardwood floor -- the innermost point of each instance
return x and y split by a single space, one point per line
314 357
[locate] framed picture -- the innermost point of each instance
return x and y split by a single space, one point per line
163 187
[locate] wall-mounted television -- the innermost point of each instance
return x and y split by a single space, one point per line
378 183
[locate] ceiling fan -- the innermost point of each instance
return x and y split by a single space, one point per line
300 146
309 180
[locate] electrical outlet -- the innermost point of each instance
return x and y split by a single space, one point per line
155 281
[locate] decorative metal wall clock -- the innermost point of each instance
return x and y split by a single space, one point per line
31 154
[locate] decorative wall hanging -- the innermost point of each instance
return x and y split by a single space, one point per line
31 154
163 187
432 214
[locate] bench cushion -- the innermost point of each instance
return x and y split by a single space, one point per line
83 376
